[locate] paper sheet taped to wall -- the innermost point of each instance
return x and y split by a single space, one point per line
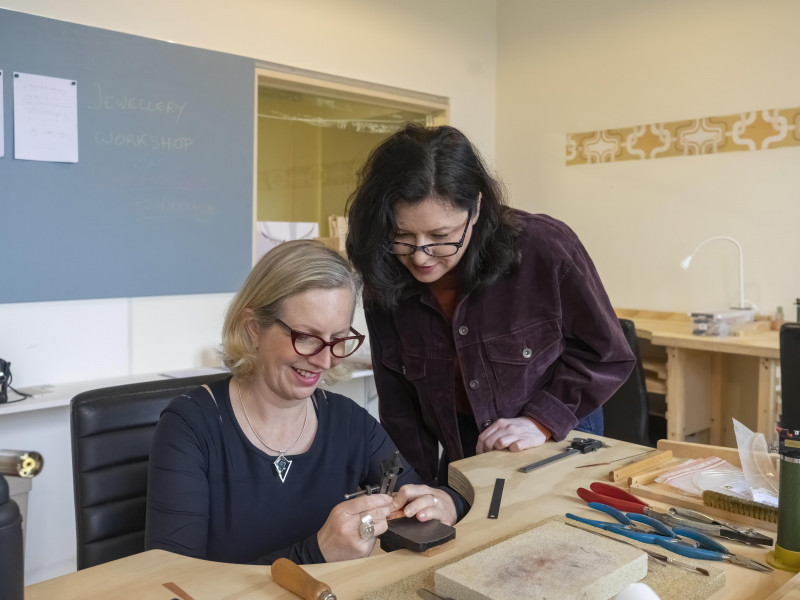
45 118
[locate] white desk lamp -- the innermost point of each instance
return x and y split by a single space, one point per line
685 264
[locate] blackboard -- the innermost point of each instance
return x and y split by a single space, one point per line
160 201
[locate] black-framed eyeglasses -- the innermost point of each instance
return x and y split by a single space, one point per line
308 344
438 249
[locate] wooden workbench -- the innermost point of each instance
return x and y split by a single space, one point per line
708 380
528 498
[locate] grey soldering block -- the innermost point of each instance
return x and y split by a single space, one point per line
552 561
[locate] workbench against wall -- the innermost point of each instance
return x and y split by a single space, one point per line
708 380
160 200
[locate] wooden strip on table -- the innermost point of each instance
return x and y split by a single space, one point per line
650 476
177 590
691 450
646 464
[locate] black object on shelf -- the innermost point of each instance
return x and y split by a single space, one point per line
11 557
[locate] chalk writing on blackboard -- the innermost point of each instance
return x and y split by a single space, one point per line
105 101
145 141
166 184
158 208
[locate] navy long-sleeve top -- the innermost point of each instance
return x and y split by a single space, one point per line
212 494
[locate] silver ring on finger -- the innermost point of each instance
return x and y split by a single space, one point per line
435 500
366 528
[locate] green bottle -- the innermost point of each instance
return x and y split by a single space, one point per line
786 555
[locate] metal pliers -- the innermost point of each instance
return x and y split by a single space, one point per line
612 496
391 468
700 547
684 517
677 517
633 525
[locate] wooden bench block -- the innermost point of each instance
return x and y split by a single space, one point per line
550 561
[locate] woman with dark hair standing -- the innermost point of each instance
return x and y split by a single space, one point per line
489 327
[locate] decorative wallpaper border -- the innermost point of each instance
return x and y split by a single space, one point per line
756 130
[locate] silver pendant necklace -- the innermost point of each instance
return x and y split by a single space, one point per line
281 463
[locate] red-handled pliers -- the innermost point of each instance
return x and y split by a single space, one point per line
612 496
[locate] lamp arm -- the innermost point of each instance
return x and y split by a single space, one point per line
741 261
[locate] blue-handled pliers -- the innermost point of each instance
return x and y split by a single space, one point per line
666 537
635 521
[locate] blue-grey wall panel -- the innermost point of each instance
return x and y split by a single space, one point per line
160 201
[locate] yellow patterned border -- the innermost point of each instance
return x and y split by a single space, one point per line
757 130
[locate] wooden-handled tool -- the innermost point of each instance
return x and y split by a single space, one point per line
291 576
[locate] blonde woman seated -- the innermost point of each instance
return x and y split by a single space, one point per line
256 467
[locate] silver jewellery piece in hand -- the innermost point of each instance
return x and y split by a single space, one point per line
367 527
435 500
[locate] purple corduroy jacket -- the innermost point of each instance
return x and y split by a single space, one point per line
542 341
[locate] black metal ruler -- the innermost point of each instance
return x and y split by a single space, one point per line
497 494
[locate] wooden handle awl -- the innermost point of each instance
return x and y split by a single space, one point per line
291 576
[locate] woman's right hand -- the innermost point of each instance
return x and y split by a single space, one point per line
515 434
340 536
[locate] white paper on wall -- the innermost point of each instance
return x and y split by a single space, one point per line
45 118
271 233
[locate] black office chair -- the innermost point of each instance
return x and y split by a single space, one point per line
626 414
790 375
112 430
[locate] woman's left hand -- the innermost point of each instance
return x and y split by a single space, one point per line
426 503
515 434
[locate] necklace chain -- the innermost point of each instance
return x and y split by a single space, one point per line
253 429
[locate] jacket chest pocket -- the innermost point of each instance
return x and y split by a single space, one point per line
521 359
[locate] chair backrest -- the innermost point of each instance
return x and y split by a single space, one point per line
112 430
626 414
790 375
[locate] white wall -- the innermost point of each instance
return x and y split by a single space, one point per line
445 48
567 66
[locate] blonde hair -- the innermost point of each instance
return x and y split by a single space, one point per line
288 269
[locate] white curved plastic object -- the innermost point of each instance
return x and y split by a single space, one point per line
637 591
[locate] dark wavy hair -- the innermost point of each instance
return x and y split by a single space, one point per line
410 166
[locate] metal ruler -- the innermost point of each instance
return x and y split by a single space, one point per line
497 494
577 446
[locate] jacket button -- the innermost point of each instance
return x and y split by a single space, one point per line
526 353
404 369
463 330
474 384
486 423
